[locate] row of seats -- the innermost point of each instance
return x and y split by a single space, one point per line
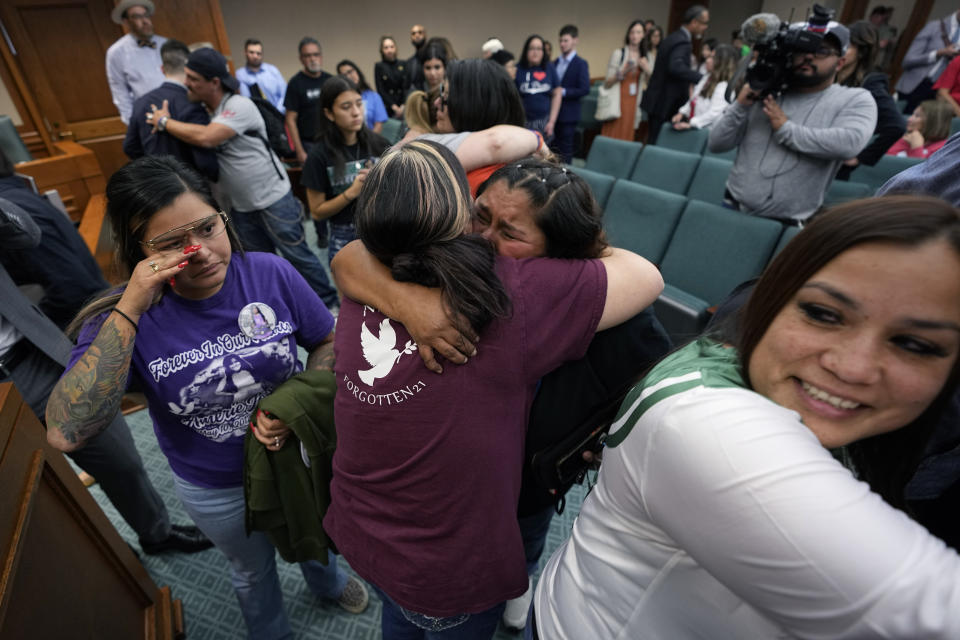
699 177
680 170
703 250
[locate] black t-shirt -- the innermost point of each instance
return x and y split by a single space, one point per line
320 175
303 96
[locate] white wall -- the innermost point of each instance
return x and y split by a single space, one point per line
353 29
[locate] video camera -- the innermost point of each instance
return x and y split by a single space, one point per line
775 43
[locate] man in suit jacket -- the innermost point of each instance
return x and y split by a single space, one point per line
927 57
574 75
669 86
33 354
142 141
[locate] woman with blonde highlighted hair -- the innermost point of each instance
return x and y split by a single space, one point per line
426 475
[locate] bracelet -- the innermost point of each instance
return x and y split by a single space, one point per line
136 329
344 194
162 123
540 142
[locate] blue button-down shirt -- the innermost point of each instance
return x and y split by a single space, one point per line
268 78
132 71
562 63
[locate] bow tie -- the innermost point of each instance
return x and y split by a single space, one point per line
147 43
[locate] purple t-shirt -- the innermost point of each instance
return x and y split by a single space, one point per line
427 468
205 364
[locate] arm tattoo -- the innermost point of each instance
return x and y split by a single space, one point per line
88 397
322 357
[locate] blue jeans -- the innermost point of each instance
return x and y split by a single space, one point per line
397 623
340 236
253 568
534 529
279 227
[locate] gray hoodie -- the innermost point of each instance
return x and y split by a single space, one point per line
785 174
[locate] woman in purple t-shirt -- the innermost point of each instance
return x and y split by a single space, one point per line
427 468
205 332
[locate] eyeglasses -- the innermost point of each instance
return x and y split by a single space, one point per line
137 16
176 239
821 53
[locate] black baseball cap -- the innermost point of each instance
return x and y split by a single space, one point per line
211 64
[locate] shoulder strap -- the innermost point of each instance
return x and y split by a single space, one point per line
253 133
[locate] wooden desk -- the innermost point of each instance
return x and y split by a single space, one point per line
66 572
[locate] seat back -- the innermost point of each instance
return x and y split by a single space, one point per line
10 142
887 167
665 169
715 249
688 140
642 219
613 157
726 155
954 125
710 180
789 232
842 191
600 183
391 130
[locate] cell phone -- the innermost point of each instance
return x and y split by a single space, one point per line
572 466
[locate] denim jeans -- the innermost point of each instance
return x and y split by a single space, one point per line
279 227
534 529
397 623
253 568
340 236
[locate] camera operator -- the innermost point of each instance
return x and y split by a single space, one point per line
790 148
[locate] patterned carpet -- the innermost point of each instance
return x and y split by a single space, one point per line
202 580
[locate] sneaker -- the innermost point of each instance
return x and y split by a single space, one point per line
515 613
354 598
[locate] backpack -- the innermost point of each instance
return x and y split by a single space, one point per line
276 128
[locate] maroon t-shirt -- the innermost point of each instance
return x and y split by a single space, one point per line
426 475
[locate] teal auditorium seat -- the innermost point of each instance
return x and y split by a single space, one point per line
642 219
391 130
613 157
11 143
887 167
712 251
665 169
841 191
710 180
726 155
954 126
690 140
600 183
788 234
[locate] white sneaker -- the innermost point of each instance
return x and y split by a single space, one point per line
515 614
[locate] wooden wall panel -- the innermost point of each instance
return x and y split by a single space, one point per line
76 72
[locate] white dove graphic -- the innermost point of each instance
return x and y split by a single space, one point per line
381 352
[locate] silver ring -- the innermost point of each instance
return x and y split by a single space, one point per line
154 266
276 441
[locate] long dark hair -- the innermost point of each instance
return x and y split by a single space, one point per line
725 59
135 193
885 461
626 37
481 94
433 49
362 85
370 143
413 214
562 205
867 40
525 54
645 47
